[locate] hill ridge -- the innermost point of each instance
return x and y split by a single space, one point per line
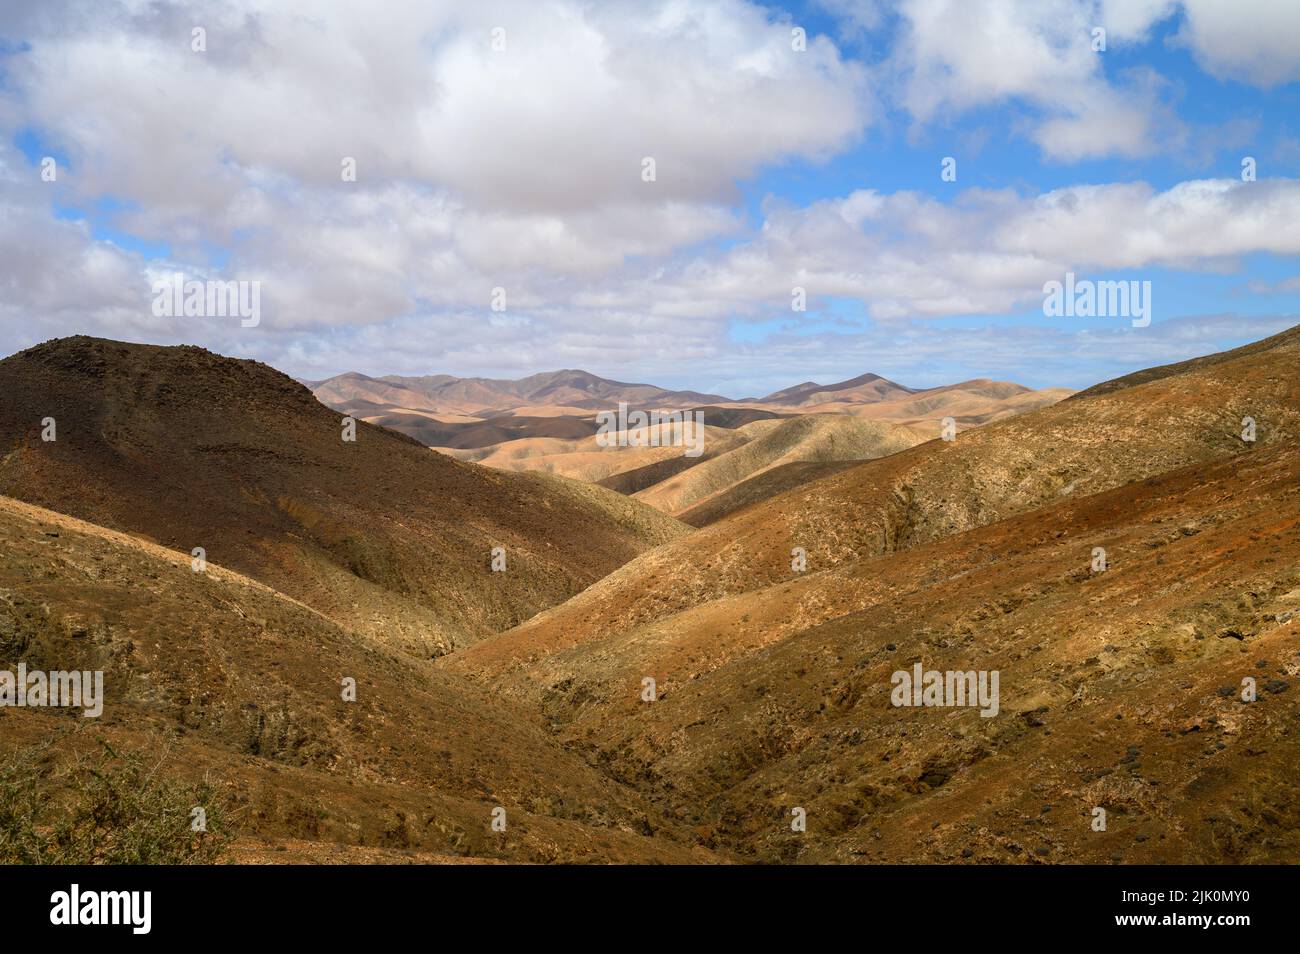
194 449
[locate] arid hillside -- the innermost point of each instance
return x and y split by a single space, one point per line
665 478
587 460
866 388
1125 561
1120 686
767 483
214 676
812 438
547 423
190 449
969 404
444 394
940 488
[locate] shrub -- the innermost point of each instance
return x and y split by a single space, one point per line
107 808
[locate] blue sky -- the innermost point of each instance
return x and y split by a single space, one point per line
519 166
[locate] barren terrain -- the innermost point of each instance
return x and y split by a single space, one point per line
1121 684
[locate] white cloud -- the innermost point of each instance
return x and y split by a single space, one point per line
957 55
1130 21
1256 41
907 255
477 167
558 121
521 169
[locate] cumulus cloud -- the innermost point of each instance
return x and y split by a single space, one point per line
990 251
957 55
482 167
1257 42
556 113
54 273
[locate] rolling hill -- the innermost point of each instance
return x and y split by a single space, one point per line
216 677
588 460
936 489
1121 688
534 422
865 389
190 449
809 438
492 397
545 423
1121 684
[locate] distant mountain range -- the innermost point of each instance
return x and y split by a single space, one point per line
866 386
547 423
445 394
406 403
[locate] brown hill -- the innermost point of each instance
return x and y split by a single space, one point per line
648 475
664 478
767 483
809 437
865 388
217 677
353 389
587 460
969 404
1120 689
538 424
468 435
1282 339
939 488
672 482
191 449
490 397
485 433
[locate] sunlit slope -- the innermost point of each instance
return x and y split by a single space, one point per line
1118 689
822 437
935 490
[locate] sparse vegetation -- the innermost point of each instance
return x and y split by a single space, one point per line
104 808
1122 688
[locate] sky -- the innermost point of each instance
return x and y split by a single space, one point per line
918 172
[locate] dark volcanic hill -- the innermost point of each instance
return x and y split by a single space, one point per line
191 449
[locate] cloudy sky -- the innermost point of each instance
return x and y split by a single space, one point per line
502 145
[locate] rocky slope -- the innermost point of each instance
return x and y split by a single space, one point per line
1121 687
215 676
190 449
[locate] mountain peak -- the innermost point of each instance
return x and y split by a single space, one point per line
867 388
